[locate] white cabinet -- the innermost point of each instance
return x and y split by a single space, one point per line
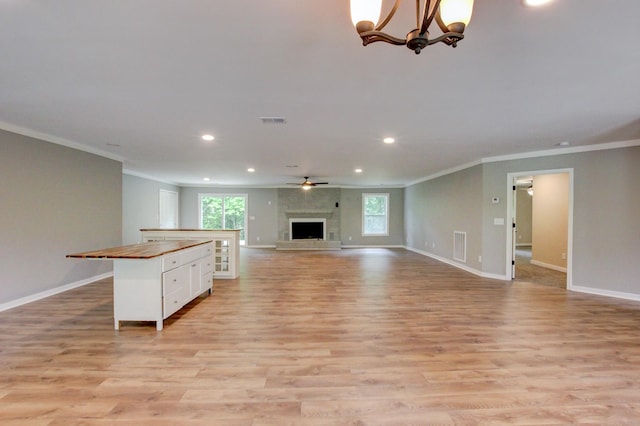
226 246
154 289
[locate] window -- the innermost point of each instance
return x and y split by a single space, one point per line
223 211
375 214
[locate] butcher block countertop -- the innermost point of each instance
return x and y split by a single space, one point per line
139 251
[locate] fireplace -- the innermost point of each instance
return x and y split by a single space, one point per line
307 229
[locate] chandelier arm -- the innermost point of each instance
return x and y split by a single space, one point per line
389 16
441 24
375 36
449 38
428 17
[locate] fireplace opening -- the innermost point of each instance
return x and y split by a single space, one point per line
307 229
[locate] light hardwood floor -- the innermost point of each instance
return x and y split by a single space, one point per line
351 337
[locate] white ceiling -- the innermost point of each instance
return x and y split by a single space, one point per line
151 76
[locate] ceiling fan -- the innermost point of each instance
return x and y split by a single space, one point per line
307 184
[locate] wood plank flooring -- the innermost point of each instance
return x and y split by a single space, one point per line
351 337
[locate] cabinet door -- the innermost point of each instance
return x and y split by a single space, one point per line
175 279
194 278
222 254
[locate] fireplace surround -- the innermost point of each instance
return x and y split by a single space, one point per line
311 228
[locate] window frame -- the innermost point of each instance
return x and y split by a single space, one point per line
387 197
201 195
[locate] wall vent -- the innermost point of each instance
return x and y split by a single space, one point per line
273 120
460 246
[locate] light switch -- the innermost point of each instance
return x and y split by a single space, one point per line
498 220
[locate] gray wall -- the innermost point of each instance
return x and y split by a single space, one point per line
524 210
140 205
263 211
351 218
606 229
434 209
54 201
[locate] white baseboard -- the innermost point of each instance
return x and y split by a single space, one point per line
348 246
53 291
523 245
460 265
548 266
607 293
261 246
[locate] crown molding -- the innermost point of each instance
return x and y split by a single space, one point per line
59 141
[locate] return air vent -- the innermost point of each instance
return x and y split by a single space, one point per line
273 120
460 246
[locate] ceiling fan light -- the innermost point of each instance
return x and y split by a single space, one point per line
365 11
456 11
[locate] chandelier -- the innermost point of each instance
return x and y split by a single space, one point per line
452 16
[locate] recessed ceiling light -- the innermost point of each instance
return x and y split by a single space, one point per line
206 179
565 143
251 170
388 140
208 138
535 3
358 170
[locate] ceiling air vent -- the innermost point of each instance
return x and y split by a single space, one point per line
273 120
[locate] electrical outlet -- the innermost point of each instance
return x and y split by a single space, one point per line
350 238
564 256
433 245
479 259
257 238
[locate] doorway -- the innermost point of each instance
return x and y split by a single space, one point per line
224 211
539 246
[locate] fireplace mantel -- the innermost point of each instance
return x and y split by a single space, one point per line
308 213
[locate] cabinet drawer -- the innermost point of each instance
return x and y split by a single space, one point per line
206 265
174 279
189 255
174 301
207 281
171 261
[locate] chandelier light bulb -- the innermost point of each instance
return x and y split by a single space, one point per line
365 11
452 11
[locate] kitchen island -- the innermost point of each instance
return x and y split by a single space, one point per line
153 280
226 246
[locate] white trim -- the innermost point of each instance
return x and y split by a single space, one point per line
264 246
531 154
387 197
446 172
548 265
143 176
561 151
225 195
607 293
59 141
175 206
460 266
511 177
53 291
355 246
293 220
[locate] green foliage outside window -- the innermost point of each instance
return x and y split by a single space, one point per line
220 212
